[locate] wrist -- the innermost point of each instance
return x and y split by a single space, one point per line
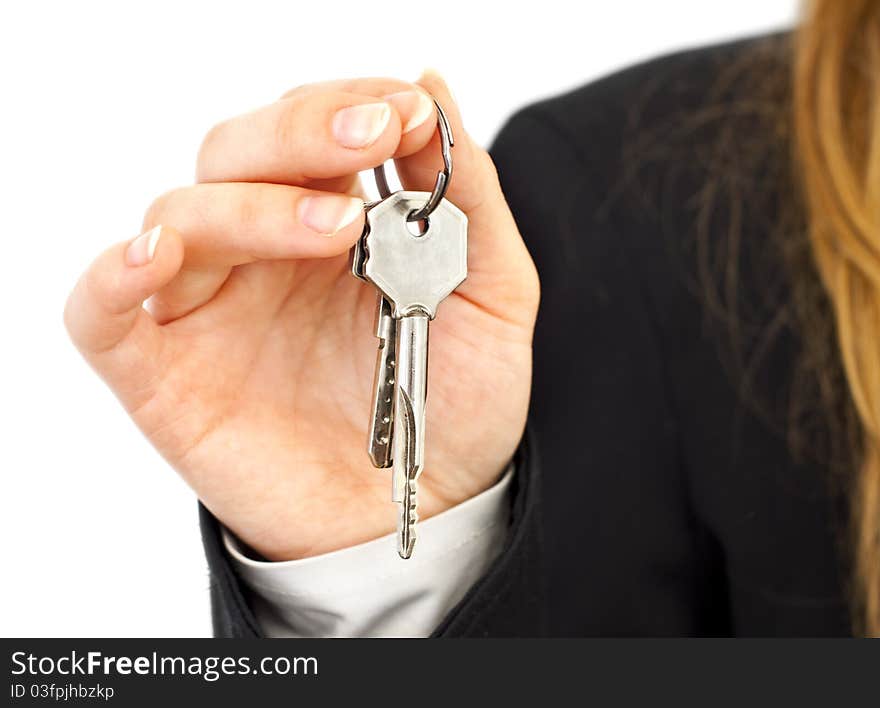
492 496
371 521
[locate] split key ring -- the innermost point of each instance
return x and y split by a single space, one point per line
443 177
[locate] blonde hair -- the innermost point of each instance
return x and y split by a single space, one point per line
836 107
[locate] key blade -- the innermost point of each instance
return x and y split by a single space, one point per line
406 521
381 425
406 464
409 402
409 424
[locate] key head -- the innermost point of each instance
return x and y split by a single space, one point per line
415 272
358 253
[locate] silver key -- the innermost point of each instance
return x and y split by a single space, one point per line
379 445
414 273
385 326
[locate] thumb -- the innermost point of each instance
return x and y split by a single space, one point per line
105 318
498 262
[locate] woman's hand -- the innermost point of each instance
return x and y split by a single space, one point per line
252 373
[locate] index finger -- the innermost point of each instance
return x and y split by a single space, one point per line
318 132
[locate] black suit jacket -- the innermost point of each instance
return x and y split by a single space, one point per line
657 492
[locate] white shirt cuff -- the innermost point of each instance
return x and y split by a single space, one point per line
368 590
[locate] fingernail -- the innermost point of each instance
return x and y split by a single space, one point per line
328 214
143 248
413 106
360 126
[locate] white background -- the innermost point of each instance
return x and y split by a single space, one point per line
104 106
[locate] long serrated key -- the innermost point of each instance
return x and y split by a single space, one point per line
409 423
414 271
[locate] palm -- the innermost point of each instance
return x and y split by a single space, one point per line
275 377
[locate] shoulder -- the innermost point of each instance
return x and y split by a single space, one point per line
690 71
661 209
658 112
606 111
661 194
652 165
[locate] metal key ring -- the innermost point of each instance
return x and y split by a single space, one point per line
443 177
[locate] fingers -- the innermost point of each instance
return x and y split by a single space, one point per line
106 321
233 223
318 134
229 224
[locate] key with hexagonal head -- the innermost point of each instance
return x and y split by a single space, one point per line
415 266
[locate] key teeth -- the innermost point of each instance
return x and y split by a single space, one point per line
409 517
379 445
